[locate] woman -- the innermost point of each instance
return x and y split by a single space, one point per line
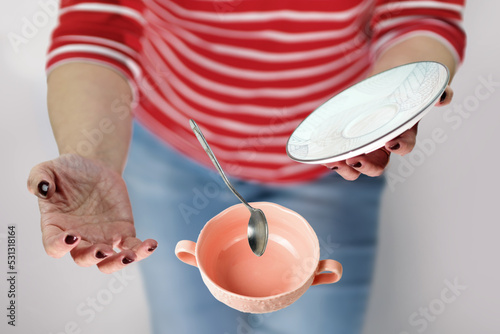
248 72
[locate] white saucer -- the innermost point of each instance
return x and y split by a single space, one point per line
364 117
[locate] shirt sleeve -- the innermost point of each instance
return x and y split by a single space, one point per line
105 32
396 20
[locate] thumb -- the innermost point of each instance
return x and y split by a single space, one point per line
41 181
446 97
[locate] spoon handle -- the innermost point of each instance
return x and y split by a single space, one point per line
206 147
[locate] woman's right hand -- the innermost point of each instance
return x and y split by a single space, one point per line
85 210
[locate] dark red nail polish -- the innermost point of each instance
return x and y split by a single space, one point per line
356 165
395 147
443 97
43 188
334 168
100 255
126 260
152 248
70 239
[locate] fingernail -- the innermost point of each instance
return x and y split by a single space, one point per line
126 260
443 97
43 188
395 147
70 239
356 165
334 168
100 255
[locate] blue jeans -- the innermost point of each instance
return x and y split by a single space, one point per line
172 199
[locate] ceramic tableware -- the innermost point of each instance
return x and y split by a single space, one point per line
243 281
367 115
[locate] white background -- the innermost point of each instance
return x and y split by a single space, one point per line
439 216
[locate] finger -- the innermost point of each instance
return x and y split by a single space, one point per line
87 254
404 143
58 242
41 181
117 261
141 248
347 172
371 164
446 97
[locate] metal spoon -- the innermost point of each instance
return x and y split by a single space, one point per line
257 225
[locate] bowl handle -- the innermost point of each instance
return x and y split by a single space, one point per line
333 272
185 251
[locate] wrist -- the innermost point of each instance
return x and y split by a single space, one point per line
108 148
97 159
413 49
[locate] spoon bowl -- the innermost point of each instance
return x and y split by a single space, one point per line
257 233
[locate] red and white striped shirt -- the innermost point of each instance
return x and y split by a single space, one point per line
248 71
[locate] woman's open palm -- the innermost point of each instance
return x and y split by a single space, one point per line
85 210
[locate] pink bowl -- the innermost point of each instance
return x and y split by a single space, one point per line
246 282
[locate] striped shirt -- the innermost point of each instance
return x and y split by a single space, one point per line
248 71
